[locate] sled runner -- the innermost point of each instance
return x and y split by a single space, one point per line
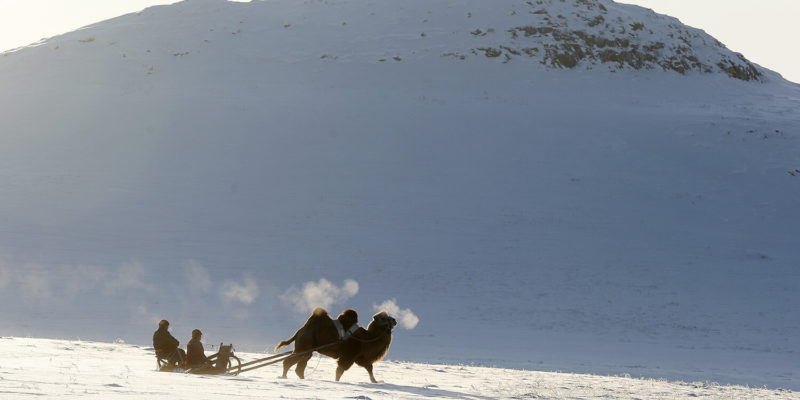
166 361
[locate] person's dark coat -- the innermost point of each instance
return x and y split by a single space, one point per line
163 342
195 355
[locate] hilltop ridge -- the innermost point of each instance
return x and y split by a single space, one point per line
584 34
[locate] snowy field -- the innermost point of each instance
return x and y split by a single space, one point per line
41 368
228 166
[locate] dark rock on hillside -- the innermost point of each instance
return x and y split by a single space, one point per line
591 33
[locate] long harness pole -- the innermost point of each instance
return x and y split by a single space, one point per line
274 359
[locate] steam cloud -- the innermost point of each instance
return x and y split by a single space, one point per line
81 279
5 273
197 276
245 292
130 275
406 318
319 294
34 282
63 282
132 280
141 314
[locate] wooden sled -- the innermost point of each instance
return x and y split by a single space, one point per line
221 362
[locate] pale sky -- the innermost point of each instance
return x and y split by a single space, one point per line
764 31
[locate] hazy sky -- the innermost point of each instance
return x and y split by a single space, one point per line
764 31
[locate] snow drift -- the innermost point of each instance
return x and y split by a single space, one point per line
68 369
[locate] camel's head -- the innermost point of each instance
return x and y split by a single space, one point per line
383 321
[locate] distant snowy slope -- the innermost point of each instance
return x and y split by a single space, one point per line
622 200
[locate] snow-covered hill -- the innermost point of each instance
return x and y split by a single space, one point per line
227 166
69 369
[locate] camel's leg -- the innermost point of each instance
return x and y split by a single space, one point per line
343 365
287 363
368 367
300 369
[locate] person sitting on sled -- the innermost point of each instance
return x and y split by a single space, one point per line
167 346
195 354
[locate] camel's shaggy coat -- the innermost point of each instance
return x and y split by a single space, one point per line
319 330
365 347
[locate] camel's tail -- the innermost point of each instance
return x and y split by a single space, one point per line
286 342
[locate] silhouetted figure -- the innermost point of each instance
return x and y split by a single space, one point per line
167 346
195 354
